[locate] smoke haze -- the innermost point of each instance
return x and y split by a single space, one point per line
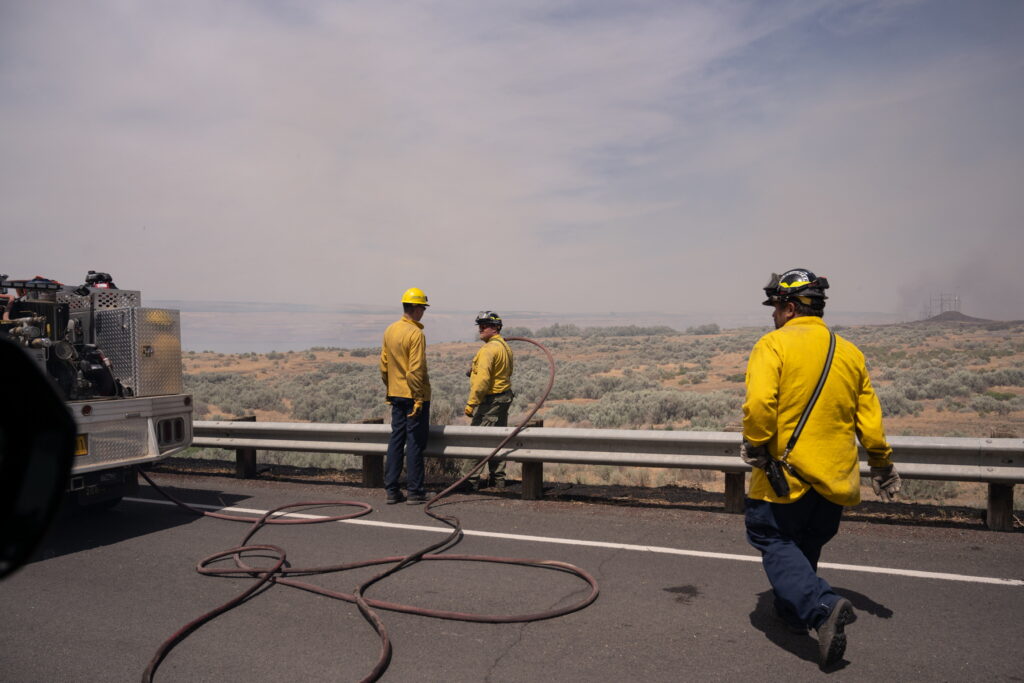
562 156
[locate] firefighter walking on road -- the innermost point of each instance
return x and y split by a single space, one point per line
809 398
490 388
403 367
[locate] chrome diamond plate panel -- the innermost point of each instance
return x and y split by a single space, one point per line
116 441
104 299
144 347
116 336
160 361
125 431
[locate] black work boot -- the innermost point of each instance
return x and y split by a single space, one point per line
395 497
832 635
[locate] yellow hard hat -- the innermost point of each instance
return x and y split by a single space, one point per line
415 295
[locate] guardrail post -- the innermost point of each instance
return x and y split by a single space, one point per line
999 515
533 480
245 458
735 483
373 465
533 473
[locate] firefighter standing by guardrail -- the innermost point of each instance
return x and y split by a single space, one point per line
403 367
490 388
803 375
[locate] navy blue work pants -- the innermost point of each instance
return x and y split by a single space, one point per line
790 537
408 441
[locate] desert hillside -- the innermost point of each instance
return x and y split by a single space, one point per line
942 378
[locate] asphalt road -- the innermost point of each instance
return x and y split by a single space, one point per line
682 597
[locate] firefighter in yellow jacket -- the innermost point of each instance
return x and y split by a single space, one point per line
821 472
403 367
490 387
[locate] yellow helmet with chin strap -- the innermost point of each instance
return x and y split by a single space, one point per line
415 295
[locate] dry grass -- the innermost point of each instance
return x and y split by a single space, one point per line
890 350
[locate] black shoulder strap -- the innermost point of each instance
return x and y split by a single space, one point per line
508 350
815 395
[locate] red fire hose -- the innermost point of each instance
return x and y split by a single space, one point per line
278 573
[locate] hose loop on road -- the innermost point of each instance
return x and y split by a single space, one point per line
279 573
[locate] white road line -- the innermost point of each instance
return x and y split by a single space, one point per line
913 573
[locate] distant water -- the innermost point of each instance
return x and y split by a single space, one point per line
239 327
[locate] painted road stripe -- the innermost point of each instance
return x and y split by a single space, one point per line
913 573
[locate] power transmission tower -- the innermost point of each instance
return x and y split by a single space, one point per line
944 302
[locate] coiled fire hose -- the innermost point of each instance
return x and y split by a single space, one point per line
279 573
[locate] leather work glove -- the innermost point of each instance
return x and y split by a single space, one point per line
417 406
468 411
755 456
886 482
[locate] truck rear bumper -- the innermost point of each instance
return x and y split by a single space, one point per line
117 433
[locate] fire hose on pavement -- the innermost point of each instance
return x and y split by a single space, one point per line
280 573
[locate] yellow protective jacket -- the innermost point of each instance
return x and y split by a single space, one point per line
782 372
403 360
492 370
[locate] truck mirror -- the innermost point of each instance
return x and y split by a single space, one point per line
37 443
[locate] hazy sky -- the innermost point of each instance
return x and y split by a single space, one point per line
552 155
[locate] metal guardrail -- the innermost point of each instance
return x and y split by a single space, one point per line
996 461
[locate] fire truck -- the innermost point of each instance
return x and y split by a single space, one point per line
117 366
